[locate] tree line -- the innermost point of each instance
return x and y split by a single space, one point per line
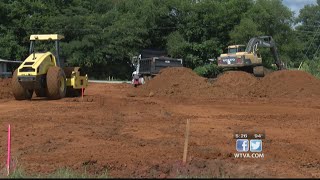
102 35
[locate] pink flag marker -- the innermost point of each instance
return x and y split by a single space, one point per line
9 150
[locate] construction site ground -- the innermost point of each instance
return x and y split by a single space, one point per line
140 132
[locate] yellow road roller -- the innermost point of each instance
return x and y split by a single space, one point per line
44 74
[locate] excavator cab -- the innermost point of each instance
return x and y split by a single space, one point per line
236 48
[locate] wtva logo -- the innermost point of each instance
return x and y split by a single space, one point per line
242 145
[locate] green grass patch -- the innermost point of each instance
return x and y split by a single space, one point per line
60 173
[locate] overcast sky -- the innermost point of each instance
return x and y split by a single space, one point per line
296 5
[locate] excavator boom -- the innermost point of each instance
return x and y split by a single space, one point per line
267 42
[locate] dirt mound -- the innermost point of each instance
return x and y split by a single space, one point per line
236 79
288 84
183 82
5 88
232 84
178 81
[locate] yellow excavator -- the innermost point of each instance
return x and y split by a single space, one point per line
44 74
247 58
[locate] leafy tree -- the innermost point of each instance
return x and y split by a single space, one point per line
308 28
203 28
272 18
102 35
307 32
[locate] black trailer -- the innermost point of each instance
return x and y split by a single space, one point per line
149 67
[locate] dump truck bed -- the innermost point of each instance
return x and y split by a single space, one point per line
152 66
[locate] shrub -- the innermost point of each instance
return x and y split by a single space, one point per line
208 70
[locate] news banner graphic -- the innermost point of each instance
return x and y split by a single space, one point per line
249 144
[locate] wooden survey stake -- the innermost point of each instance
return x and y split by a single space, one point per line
186 141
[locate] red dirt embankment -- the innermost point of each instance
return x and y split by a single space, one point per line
232 84
175 82
5 88
183 82
288 84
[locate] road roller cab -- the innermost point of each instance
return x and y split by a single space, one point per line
44 73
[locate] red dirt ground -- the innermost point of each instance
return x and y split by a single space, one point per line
5 90
139 132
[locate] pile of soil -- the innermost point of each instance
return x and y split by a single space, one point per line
236 79
176 81
183 82
233 84
288 84
5 88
